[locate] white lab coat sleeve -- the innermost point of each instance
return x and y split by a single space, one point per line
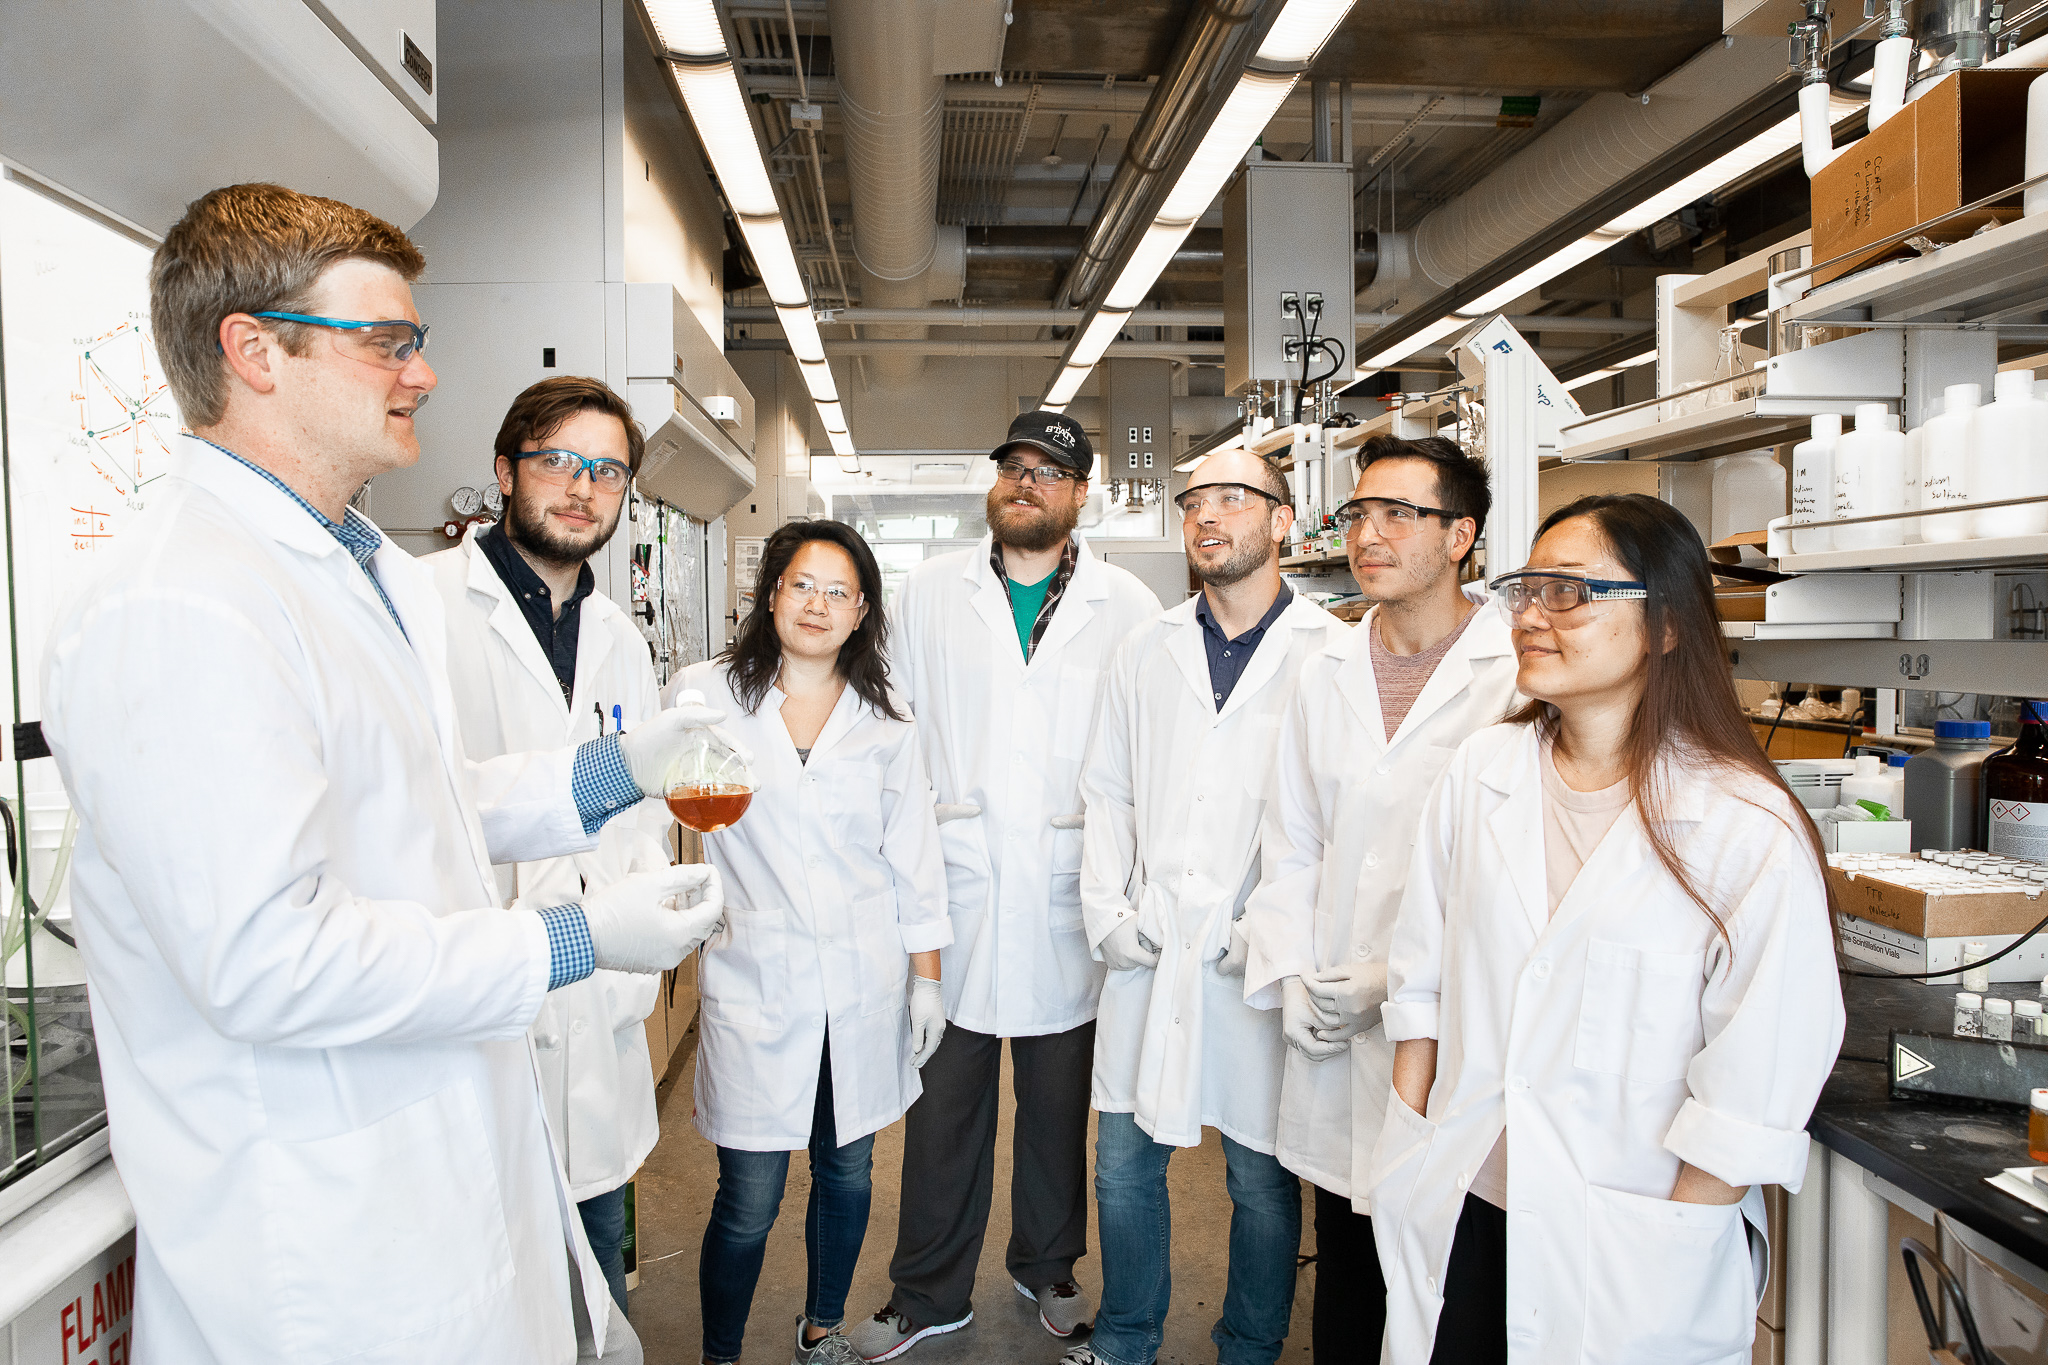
1415 960
269 946
1109 836
528 806
910 845
1279 918
904 644
1771 1015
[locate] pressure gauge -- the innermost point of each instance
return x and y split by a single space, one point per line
467 502
494 498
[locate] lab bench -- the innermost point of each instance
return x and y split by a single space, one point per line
1873 1154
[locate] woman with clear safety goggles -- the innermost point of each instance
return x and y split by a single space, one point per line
820 999
1611 985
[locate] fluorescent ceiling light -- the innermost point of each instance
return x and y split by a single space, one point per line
723 125
1244 116
1302 29
1766 146
689 27
1096 338
1064 388
779 273
1161 240
802 330
834 418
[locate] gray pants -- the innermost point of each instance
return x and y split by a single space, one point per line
949 1148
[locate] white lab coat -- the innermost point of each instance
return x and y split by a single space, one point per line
1010 739
590 1037
311 1011
1174 791
832 879
1336 843
1614 1040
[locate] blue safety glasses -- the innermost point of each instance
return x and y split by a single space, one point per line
565 466
391 343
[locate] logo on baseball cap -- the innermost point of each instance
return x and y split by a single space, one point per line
1057 435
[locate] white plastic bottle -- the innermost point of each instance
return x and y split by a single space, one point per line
1945 462
1813 483
1748 493
1870 479
2009 457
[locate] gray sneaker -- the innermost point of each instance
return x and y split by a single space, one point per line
1062 1307
831 1349
1079 1355
889 1334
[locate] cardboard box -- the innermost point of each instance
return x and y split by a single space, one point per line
1891 950
1962 140
1928 915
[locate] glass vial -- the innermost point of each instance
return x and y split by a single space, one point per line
1969 1015
1998 1019
2026 1021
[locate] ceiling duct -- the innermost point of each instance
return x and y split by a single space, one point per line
1217 42
1591 150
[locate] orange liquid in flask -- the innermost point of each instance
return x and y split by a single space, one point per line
708 807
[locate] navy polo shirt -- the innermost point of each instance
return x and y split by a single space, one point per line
1228 658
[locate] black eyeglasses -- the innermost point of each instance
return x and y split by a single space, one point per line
1016 471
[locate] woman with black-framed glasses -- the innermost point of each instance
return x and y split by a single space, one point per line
820 998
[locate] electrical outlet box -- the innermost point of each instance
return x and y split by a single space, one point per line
803 115
1137 399
1286 232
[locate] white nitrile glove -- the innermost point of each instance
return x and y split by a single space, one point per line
1234 957
1127 949
927 1019
1354 994
1074 821
947 812
651 921
651 746
1302 1023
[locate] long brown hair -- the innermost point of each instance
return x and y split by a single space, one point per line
1688 715
755 654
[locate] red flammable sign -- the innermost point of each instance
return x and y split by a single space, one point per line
94 1326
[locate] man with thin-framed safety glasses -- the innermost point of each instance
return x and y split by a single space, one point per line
1375 719
538 655
1177 777
1001 652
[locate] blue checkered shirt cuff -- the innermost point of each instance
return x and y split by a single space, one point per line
571 954
602 783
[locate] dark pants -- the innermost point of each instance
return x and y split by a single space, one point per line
1472 1329
750 1186
949 1151
604 1223
1351 1319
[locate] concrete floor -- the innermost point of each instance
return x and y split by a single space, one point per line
674 1201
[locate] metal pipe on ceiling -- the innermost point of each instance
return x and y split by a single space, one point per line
972 316
1214 47
1052 350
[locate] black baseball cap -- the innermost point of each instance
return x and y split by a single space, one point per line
1059 436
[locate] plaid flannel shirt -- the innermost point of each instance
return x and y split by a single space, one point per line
1070 555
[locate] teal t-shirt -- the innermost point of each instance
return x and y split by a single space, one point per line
1025 601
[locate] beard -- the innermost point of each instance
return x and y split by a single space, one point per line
1029 529
1245 559
526 525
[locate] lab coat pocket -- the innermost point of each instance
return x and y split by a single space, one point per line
1397 1160
744 972
383 1232
884 965
1666 1283
1639 1016
854 802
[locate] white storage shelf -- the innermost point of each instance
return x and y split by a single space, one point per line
1637 433
1997 278
1993 553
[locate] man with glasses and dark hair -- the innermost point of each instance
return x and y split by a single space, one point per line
1001 651
1374 720
1177 776
310 1004
539 658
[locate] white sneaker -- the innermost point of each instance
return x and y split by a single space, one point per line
831 1349
889 1334
1062 1307
1079 1355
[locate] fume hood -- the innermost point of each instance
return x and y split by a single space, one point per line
698 416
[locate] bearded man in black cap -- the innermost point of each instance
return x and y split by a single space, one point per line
1002 652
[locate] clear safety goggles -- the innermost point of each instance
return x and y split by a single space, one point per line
806 590
1390 518
389 343
1227 498
1567 600
559 468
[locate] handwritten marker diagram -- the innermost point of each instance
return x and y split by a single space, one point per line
125 422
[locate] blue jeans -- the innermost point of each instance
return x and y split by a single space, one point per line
749 1194
604 1223
1137 1278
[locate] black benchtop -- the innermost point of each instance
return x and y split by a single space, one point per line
1938 1153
